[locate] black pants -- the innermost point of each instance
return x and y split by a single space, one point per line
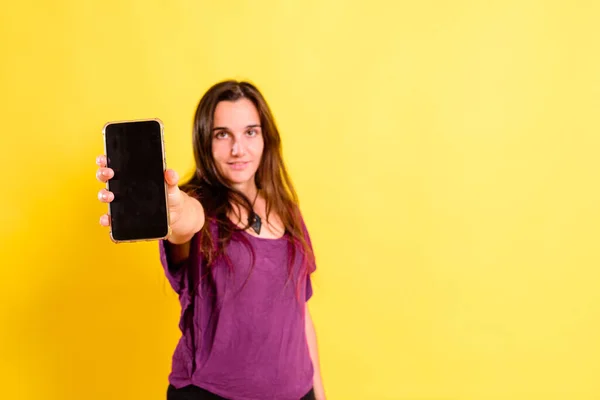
195 393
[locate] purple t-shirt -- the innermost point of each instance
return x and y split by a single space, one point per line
247 325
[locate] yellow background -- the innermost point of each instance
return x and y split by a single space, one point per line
445 153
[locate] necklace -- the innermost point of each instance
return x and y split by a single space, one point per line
254 219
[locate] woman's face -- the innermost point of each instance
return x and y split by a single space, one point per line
237 141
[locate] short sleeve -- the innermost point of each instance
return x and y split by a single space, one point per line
312 263
175 273
309 289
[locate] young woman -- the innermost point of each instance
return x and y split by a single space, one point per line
240 258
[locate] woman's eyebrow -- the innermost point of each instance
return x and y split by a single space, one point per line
224 128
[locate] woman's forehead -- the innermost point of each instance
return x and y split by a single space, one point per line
236 114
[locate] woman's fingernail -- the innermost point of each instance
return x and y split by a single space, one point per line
105 173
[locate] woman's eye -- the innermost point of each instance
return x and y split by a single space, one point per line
221 135
252 132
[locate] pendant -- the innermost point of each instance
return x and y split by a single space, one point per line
255 223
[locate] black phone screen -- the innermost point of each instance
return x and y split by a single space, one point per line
134 150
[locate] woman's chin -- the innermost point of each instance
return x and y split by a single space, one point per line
239 179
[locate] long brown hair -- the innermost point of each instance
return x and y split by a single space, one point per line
219 198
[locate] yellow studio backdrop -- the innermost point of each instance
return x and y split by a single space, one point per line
445 153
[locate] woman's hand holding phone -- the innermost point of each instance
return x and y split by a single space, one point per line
186 215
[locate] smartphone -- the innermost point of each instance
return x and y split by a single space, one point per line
136 153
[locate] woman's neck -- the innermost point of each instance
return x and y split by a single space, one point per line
248 189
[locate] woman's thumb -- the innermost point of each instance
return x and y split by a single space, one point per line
172 179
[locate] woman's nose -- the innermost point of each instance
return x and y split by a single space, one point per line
237 149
